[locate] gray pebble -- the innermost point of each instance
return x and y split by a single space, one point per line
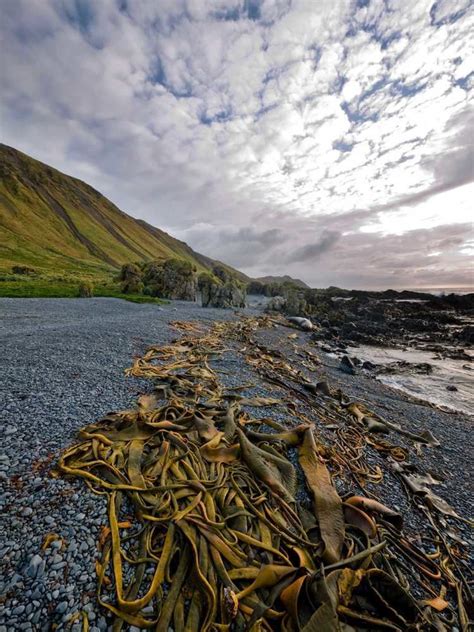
34 565
18 610
61 607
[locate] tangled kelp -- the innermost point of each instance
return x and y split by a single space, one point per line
204 531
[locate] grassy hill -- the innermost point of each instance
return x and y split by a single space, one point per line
63 228
283 279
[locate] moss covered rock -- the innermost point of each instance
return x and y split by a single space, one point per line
215 293
276 304
295 304
292 303
86 289
174 279
131 277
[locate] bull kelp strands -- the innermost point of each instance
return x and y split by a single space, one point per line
204 532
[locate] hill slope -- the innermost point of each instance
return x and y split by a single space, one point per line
51 221
283 279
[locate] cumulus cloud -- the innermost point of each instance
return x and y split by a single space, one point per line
272 134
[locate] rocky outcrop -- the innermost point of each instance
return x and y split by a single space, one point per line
174 279
466 334
276 304
85 289
295 303
292 303
221 294
131 277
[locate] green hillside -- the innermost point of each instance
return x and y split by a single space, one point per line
283 279
57 224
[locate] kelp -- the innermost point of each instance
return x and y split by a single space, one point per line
204 528
327 503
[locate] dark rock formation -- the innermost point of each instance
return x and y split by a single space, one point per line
174 279
346 365
85 290
467 334
276 304
295 303
227 295
131 277
221 291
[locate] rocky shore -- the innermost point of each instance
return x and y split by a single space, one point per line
442 324
423 344
62 367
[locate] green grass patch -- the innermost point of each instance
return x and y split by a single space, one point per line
140 298
18 286
38 289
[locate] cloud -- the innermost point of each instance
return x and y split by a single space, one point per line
455 166
384 260
241 247
313 251
247 127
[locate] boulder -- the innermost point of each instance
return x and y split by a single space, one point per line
346 365
369 366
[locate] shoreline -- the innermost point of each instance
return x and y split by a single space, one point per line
422 375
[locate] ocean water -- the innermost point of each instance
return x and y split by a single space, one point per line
432 387
437 291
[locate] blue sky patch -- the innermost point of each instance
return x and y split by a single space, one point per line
342 146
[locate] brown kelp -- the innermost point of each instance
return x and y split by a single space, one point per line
204 531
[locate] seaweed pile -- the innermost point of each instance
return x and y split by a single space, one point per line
205 530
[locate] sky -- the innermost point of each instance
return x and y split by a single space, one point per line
331 140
